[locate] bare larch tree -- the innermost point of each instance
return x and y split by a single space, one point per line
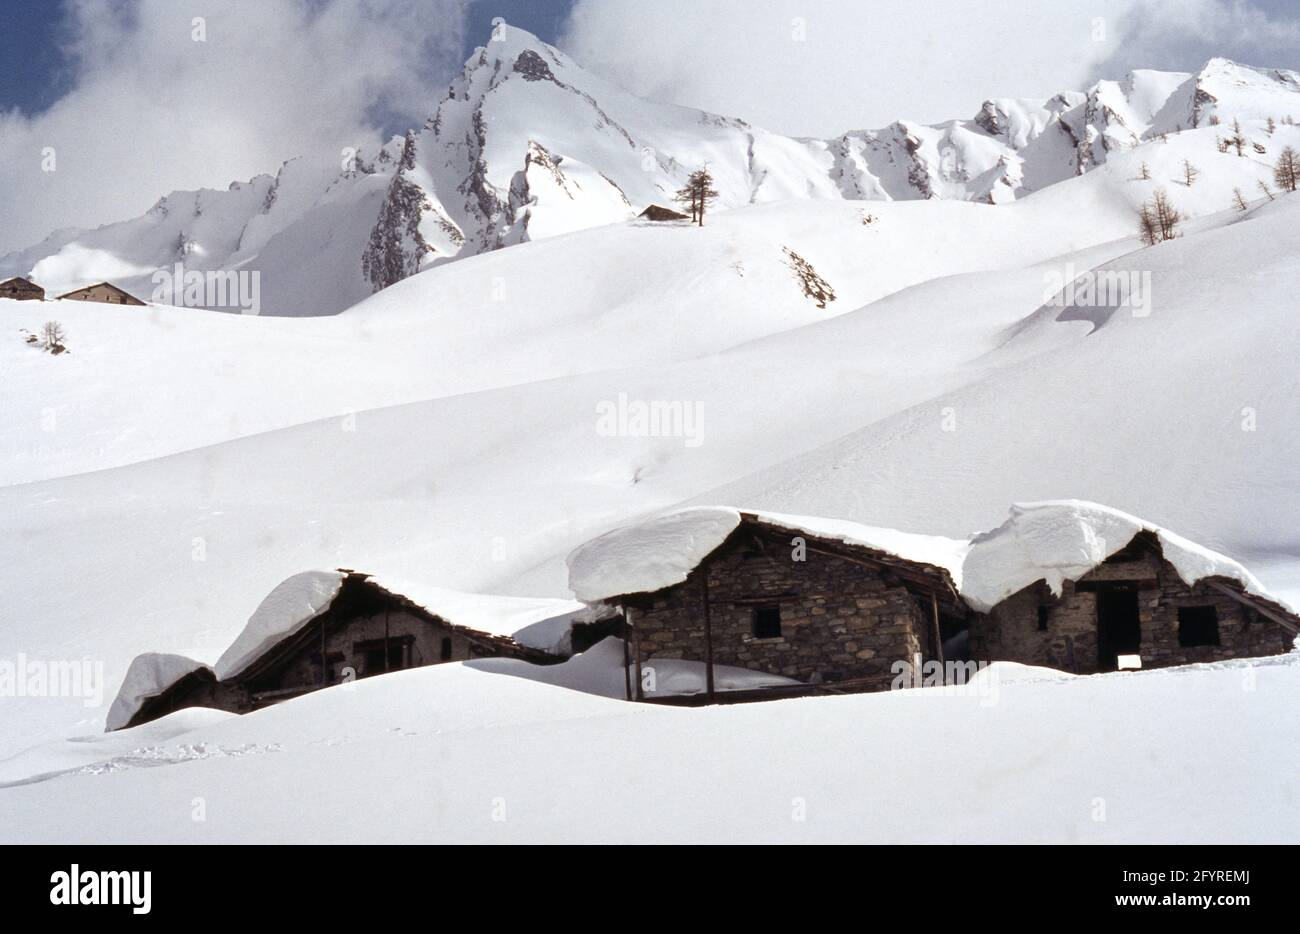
1158 219
698 192
1287 171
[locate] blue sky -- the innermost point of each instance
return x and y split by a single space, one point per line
37 72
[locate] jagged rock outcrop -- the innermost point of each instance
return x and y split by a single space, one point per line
397 247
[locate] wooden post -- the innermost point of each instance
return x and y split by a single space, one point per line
636 650
386 656
627 661
708 637
938 632
1262 611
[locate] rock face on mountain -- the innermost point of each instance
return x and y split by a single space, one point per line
526 145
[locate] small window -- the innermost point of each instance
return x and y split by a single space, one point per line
445 651
767 621
1198 625
1044 612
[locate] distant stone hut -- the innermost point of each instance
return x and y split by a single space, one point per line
102 292
1134 609
21 290
657 212
352 627
824 602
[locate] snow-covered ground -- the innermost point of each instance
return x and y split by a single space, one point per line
1184 416
450 753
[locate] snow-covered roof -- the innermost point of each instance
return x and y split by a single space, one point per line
292 604
1061 540
663 551
1051 541
492 614
301 598
149 675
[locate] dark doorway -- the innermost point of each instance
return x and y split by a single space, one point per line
380 655
1119 631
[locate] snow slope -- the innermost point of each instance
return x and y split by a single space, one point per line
1185 416
469 756
488 490
623 296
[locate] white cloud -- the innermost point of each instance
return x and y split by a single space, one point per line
1179 35
152 110
820 67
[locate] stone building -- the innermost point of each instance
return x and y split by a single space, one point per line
21 290
1132 610
820 601
323 628
657 212
836 606
102 292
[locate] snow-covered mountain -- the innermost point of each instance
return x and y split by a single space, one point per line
527 144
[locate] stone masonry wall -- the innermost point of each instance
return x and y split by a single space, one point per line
1069 643
839 620
426 648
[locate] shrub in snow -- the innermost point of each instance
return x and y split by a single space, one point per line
52 337
1158 219
814 286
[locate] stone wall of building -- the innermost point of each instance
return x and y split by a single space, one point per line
21 290
839 620
419 639
102 293
1069 641
414 640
